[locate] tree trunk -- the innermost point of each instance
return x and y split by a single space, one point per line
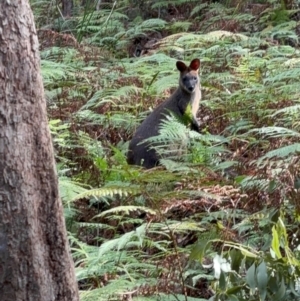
35 262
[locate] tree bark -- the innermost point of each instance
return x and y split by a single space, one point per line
35 262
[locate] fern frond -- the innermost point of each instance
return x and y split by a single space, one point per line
109 291
52 71
70 190
180 26
276 131
120 243
175 297
153 24
160 4
185 226
227 215
111 96
254 182
282 152
292 62
157 62
291 110
108 191
126 210
98 226
290 74
223 34
165 81
198 8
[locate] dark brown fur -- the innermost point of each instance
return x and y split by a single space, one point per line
188 92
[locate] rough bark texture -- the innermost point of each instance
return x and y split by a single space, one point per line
35 263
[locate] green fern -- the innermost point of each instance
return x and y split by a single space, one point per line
96 99
283 152
276 132
126 210
108 191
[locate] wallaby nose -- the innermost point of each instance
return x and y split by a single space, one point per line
191 88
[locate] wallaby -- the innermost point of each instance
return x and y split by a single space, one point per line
187 94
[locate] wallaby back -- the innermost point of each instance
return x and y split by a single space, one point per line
187 94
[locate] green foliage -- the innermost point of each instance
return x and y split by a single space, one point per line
227 197
176 143
242 271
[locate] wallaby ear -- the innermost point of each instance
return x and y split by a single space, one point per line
195 64
181 66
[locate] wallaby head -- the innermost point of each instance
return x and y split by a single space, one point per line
189 79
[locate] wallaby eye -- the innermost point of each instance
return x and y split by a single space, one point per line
194 78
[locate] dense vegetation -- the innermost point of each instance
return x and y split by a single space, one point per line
220 222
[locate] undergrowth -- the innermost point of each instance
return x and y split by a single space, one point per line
218 222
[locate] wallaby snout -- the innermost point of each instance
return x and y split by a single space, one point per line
189 83
191 88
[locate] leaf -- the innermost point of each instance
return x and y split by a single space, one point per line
273 284
272 186
274 215
234 290
243 249
236 259
140 232
250 278
280 293
199 249
262 280
222 281
293 286
232 298
275 243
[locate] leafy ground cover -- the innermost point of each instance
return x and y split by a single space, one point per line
219 222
